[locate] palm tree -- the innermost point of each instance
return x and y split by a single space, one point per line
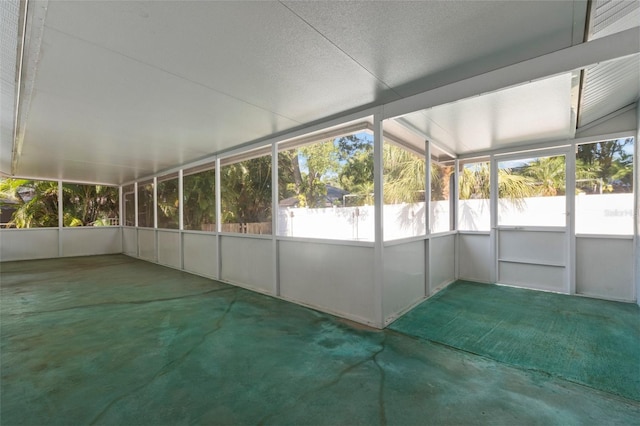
37 202
548 175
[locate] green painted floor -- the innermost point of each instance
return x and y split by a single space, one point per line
113 340
589 341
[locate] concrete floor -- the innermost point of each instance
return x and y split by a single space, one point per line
113 340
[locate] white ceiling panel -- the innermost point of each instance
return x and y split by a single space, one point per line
535 112
9 17
96 103
418 45
257 52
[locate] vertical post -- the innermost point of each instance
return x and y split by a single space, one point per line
274 219
155 219
135 203
427 203
121 218
493 210
181 215
570 232
155 203
454 217
378 195
636 210
120 207
60 218
135 198
218 195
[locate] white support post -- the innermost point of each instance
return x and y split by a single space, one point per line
454 217
427 219
493 202
135 206
274 219
181 214
135 198
121 217
60 218
378 181
155 203
570 196
218 191
636 212
120 207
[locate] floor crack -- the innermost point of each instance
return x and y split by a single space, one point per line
304 396
171 364
130 302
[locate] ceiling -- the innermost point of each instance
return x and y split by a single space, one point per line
111 91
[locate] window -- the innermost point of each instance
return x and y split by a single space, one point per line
129 205
531 192
200 198
29 203
145 204
404 190
89 205
326 186
246 193
474 209
442 176
604 187
168 202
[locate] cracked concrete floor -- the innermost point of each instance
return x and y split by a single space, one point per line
113 340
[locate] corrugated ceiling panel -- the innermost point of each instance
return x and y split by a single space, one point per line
613 85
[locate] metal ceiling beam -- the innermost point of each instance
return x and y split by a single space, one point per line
565 60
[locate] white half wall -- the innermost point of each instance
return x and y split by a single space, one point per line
333 278
87 241
169 250
474 257
442 266
404 278
247 262
604 268
200 252
147 244
23 244
130 241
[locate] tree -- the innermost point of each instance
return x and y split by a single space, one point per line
608 162
548 175
199 210
37 202
246 191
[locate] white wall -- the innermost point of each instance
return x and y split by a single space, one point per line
404 277
604 268
200 253
334 278
474 257
442 261
533 259
169 248
247 261
43 243
147 244
22 244
85 241
130 241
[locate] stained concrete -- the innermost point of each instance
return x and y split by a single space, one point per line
113 340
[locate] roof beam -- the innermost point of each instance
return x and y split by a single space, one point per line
566 60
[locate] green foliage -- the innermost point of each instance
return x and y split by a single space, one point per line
36 203
246 191
168 204
199 200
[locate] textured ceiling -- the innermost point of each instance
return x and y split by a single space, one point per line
124 89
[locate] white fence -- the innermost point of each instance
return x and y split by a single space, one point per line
595 214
